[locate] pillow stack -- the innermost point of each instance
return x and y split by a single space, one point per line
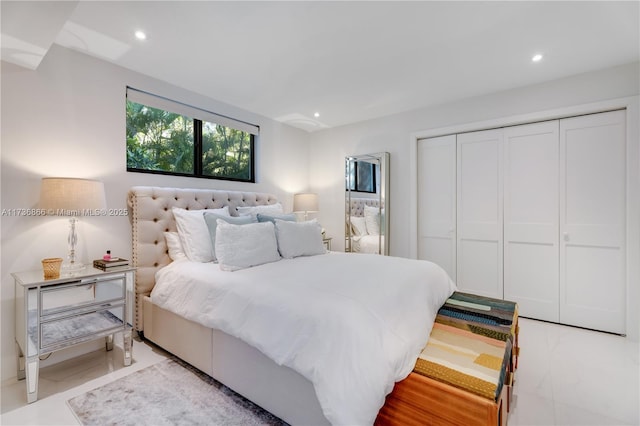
372 223
243 246
260 234
194 234
212 220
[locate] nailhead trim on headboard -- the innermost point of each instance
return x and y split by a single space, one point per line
151 216
357 205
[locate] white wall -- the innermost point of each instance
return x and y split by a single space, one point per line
395 134
67 118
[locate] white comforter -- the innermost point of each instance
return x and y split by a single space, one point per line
367 243
351 324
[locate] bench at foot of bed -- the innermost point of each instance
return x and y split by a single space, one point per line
465 373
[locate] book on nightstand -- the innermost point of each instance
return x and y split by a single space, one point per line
114 262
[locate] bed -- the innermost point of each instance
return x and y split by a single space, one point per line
241 366
364 227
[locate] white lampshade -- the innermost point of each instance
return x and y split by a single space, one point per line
305 202
71 196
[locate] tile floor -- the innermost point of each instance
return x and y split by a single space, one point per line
566 376
572 376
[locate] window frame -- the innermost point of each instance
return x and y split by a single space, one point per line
198 163
354 175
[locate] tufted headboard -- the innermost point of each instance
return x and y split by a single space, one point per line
151 216
357 205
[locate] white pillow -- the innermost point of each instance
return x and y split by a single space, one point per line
299 238
359 226
271 209
194 233
243 246
372 219
176 252
211 219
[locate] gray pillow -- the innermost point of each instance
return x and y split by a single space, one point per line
299 239
211 219
291 217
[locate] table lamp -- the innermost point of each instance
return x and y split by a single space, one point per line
72 197
305 202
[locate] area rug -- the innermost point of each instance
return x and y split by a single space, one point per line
168 393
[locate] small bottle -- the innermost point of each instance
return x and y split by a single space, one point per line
107 256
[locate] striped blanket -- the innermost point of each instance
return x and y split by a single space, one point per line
471 344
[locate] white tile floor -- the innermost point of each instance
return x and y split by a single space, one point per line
566 376
571 376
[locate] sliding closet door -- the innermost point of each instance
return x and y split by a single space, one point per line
592 221
531 230
479 214
437 202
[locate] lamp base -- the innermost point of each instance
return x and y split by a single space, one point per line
69 267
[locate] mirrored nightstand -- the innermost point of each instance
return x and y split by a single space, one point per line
327 242
55 314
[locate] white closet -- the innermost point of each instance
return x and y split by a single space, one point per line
531 230
479 213
592 221
437 203
533 213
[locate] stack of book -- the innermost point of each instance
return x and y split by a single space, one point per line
114 262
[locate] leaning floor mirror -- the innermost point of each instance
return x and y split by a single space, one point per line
367 194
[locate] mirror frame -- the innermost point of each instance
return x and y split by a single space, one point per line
380 159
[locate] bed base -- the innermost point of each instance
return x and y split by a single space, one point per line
239 366
417 400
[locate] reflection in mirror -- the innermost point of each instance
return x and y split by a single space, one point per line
366 218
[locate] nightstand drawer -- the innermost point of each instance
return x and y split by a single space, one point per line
59 332
96 291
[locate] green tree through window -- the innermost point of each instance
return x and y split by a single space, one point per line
160 141
226 152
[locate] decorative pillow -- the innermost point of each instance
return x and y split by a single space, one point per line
299 238
358 225
211 219
194 234
372 219
176 252
270 209
244 246
291 217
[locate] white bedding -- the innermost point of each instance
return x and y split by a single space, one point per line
367 243
351 324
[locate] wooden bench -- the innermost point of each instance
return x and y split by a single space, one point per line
465 373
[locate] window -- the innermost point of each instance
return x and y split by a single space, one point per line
169 137
361 176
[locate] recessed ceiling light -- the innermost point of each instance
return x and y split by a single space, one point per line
140 35
537 58
316 114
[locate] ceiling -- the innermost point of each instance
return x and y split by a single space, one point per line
348 61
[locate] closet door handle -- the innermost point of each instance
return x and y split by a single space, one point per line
565 235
